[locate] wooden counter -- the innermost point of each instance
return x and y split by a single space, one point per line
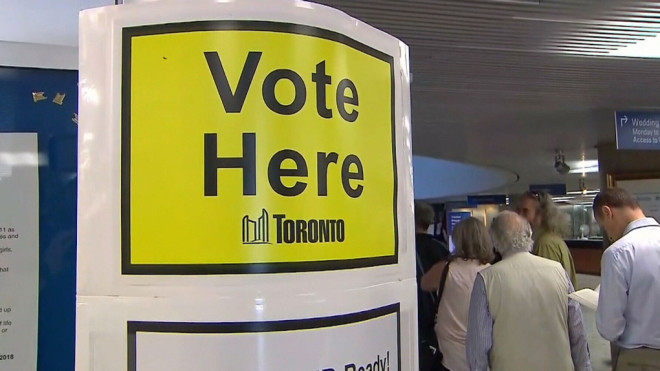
586 255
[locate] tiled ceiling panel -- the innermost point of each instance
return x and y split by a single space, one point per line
504 83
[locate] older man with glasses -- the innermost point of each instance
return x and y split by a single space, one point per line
520 316
550 226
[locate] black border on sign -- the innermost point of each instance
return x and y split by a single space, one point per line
127 267
133 327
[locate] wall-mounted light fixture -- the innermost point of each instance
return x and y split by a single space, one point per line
560 163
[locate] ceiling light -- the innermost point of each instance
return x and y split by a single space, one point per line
647 48
583 167
593 192
584 170
583 163
528 2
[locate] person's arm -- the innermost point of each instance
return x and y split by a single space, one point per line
479 339
431 280
577 334
440 252
613 296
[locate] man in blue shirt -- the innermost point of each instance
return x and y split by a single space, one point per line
628 312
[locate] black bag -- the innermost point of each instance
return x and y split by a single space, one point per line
430 357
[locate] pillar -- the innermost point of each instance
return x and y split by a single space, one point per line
245 190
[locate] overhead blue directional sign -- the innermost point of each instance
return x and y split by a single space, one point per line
486 200
637 130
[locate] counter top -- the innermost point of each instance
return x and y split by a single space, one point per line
585 244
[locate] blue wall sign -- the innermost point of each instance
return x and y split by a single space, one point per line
486 200
54 122
558 189
455 217
637 130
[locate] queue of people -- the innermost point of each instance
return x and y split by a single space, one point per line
516 314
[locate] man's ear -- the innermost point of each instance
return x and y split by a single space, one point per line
607 211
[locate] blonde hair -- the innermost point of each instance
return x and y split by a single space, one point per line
472 241
552 218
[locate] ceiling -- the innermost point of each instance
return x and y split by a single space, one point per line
51 22
505 83
494 83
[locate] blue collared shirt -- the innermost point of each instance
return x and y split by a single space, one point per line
629 301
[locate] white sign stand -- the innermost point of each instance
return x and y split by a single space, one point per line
150 306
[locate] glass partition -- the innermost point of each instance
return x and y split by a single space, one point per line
583 224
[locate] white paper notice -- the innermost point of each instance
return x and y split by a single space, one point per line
646 192
354 342
19 251
650 203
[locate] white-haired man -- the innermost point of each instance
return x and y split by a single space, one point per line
520 315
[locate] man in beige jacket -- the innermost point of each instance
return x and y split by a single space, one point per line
520 315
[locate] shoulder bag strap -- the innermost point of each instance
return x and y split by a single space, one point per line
441 287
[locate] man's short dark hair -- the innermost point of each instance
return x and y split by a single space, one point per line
424 215
614 198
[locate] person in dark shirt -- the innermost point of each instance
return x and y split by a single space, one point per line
429 251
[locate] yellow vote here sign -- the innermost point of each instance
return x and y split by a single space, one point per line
255 147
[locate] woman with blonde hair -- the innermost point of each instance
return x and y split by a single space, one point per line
551 226
453 282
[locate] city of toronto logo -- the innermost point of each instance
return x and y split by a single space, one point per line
255 232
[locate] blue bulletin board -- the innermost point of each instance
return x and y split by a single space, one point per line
56 126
